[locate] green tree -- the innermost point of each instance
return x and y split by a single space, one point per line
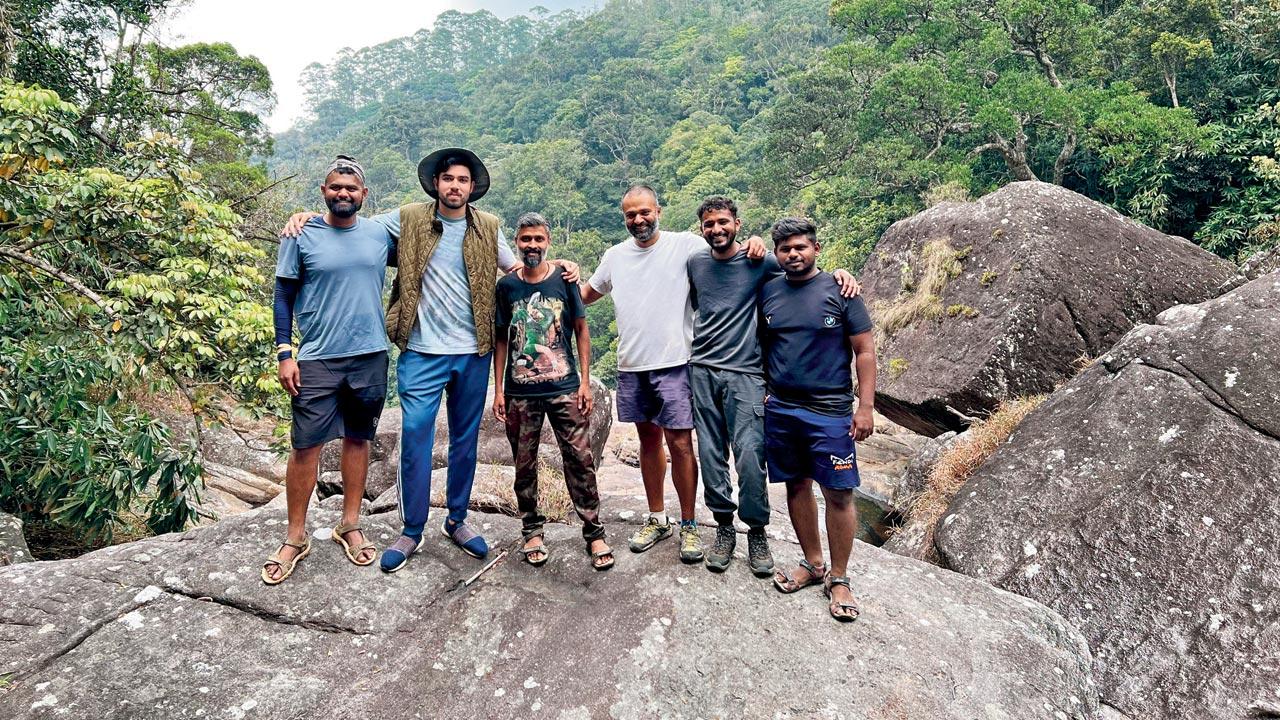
113 280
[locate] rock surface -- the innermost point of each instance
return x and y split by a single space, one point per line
1256 266
1142 502
244 485
1049 276
909 538
180 626
13 546
251 453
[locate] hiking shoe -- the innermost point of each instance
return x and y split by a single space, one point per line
649 534
690 545
722 548
758 555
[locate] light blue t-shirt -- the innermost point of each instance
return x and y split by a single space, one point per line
339 306
446 325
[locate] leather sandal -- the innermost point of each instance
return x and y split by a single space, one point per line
786 582
596 556
840 610
539 548
353 551
303 548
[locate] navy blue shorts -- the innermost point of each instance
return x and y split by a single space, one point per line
802 444
341 397
662 397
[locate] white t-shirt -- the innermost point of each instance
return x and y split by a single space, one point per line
650 288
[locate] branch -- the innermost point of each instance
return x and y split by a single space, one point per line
57 274
262 191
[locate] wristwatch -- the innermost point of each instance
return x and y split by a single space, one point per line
284 351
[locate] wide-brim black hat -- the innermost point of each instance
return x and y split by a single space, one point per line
427 171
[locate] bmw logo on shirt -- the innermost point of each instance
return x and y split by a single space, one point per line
829 321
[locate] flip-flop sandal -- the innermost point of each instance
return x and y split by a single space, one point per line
601 554
786 581
840 610
303 548
539 548
353 551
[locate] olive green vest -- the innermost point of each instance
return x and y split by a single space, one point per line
420 231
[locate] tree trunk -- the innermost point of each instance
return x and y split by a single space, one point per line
8 43
1064 156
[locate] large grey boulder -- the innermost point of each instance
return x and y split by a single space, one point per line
911 537
247 450
1142 502
1033 278
180 626
13 546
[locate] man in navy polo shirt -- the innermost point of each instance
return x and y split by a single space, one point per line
810 336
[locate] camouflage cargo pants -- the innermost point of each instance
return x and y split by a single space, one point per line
524 430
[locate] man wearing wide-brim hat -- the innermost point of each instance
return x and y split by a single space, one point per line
441 317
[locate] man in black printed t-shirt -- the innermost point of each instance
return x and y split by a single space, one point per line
811 335
539 315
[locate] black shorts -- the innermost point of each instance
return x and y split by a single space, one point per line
341 397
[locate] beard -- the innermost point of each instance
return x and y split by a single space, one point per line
531 258
343 208
719 241
643 233
453 203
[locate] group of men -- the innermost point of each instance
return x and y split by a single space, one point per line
753 350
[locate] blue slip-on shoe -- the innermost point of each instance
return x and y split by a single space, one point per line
464 537
394 557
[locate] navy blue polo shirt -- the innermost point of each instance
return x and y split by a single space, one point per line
804 330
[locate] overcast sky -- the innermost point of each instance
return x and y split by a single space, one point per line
288 35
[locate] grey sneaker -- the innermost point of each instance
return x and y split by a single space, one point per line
722 548
649 534
690 545
758 555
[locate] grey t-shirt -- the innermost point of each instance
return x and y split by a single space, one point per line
445 324
723 294
339 306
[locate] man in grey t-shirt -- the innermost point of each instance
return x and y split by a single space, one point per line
726 376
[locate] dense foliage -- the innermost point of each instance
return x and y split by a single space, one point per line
123 270
855 112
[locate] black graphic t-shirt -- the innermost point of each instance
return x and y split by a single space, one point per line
803 330
537 320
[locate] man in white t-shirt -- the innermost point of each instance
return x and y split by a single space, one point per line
649 280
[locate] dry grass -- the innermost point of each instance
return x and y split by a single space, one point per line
495 492
921 297
946 192
963 458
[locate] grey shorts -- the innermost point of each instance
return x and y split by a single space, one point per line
661 397
341 397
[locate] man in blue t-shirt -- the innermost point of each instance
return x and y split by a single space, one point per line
330 276
810 335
